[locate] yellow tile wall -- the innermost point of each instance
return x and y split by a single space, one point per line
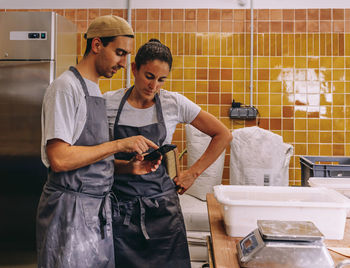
301 69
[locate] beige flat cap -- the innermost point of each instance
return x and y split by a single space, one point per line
107 26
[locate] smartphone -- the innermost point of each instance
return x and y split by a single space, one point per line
160 151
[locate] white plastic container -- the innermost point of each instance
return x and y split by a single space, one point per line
341 185
243 205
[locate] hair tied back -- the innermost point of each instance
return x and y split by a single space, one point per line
154 40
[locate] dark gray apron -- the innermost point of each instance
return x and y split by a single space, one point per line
148 226
74 213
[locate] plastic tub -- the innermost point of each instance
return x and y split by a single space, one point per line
243 205
323 166
341 185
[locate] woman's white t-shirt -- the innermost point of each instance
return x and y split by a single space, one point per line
176 109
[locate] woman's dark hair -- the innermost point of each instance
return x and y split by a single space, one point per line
105 41
153 50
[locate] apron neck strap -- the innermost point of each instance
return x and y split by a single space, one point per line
159 110
80 78
121 105
160 117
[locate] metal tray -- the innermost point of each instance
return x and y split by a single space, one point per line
289 230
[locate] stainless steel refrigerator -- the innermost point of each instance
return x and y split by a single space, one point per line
35 47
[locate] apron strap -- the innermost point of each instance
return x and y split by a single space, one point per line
80 78
144 202
159 110
160 117
121 105
102 211
128 214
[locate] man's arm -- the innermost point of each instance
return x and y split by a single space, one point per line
64 157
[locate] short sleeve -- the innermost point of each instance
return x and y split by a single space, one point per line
188 110
58 115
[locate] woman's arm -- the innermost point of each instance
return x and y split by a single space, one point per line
221 137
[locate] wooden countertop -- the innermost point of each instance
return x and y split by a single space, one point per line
224 246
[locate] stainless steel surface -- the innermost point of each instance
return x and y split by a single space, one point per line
22 87
28 64
34 49
289 230
297 255
256 251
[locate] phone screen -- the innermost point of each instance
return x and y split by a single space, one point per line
160 151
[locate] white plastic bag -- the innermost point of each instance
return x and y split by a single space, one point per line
259 157
197 142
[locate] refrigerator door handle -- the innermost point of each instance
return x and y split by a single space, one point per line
52 71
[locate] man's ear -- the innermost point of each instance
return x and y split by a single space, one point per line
133 68
96 45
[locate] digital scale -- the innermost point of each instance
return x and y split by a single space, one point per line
287 244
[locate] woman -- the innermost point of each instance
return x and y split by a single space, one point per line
148 225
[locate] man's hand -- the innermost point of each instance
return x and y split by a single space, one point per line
138 144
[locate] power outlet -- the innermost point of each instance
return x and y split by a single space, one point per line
248 112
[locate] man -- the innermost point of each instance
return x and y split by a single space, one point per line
74 214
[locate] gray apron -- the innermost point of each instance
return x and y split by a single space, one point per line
148 225
74 213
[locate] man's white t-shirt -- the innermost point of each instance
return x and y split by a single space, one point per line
176 109
64 110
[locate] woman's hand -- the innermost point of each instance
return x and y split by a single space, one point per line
139 166
184 181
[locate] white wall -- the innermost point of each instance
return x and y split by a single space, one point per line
216 4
